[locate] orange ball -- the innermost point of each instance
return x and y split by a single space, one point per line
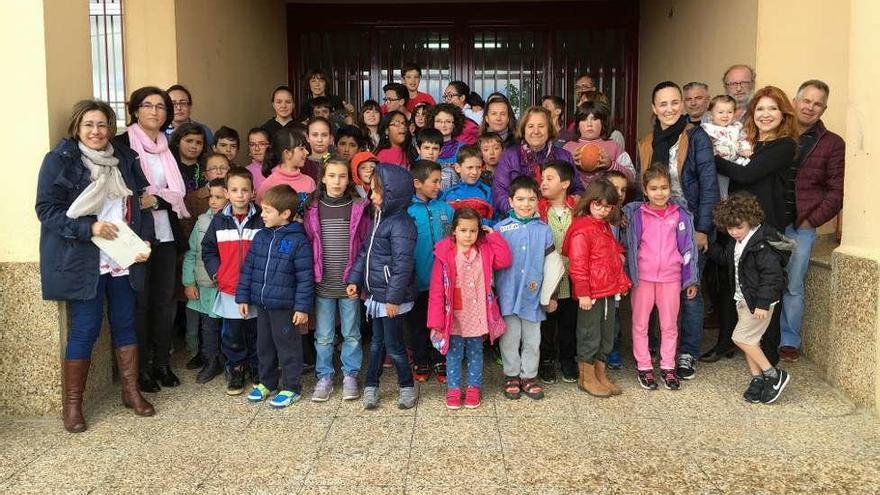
589 154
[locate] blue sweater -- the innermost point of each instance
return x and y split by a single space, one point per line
277 273
477 196
433 219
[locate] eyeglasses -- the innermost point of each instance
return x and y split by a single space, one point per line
261 144
450 95
738 84
599 206
149 106
386 99
583 89
100 126
217 169
180 103
396 123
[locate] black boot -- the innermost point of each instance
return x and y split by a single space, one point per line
146 382
213 367
165 376
196 362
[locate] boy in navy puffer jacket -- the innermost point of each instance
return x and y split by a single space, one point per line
277 277
384 268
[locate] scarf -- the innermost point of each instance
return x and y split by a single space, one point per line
534 159
664 140
176 190
106 182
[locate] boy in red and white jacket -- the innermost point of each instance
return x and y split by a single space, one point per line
224 249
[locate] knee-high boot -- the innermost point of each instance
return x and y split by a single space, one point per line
76 371
127 361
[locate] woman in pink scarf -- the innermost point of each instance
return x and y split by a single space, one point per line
150 113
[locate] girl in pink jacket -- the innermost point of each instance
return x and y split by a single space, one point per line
461 305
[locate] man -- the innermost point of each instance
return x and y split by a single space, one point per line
182 101
583 86
739 83
817 196
696 102
411 75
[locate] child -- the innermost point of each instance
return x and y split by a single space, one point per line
320 137
597 279
336 222
462 308
661 261
519 289
491 146
384 268
432 218
259 141
277 278
418 119
282 104
728 139
349 140
288 151
370 116
394 144
556 208
429 142
226 141
411 76
756 263
592 127
556 106
471 192
449 120
363 163
216 167
621 183
224 248
321 107
187 144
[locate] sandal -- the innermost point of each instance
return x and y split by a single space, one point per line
512 388
533 389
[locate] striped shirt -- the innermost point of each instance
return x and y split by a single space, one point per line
335 240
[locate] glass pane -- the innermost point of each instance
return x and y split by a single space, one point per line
509 62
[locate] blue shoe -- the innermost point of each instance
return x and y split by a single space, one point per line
259 393
615 362
284 398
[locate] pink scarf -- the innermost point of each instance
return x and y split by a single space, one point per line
141 143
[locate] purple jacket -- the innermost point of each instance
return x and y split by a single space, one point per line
358 225
687 245
512 166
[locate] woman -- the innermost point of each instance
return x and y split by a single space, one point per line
148 108
282 104
394 147
499 118
687 150
536 136
316 82
85 185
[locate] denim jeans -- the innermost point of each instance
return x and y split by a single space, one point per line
325 333
86 317
691 334
793 296
470 349
388 335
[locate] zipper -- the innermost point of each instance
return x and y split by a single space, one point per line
266 269
370 250
430 224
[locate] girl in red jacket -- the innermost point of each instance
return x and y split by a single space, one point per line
597 277
461 305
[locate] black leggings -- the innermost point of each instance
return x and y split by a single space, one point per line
154 311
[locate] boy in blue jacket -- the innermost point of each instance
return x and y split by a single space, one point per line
277 277
470 191
432 218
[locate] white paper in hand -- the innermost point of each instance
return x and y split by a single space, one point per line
125 248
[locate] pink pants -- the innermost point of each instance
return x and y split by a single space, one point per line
666 296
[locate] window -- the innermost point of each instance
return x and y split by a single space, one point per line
108 70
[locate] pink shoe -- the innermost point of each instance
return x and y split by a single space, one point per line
453 398
472 397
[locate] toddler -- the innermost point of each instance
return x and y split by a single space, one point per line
728 139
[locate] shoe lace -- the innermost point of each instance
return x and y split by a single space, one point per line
686 361
669 376
648 376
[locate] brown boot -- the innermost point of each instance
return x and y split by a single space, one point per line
603 379
127 361
76 371
588 383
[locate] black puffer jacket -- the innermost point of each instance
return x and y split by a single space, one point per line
761 267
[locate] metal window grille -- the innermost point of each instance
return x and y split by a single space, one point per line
108 69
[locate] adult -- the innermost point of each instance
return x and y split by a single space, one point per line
772 130
536 147
583 86
499 118
396 98
687 150
456 94
739 83
86 186
411 76
282 104
149 114
316 82
696 102
818 195
182 101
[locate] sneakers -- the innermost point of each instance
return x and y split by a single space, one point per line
421 372
284 398
547 371
685 367
196 362
789 354
323 389
756 387
213 367
646 380
773 387
569 372
406 398
235 385
670 379
471 397
453 398
615 361
371 397
259 393
440 372
350 389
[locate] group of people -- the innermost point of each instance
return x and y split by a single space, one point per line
433 231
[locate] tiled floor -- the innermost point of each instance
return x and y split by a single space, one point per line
702 439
